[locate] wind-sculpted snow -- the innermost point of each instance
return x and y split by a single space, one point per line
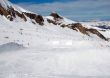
10 47
46 61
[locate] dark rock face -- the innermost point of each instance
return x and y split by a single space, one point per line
10 14
38 18
84 30
79 27
56 20
51 21
56 16
11 11
30 15
94 31
3 11
21 15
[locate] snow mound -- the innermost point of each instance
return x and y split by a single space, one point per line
10 47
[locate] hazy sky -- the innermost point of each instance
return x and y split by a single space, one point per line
79 10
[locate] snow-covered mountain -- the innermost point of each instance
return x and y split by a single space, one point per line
36 46
25 24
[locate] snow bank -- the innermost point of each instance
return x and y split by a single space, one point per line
10 47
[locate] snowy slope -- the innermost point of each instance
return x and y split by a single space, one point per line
102 26
50 50
6 4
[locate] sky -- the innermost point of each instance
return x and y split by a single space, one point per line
40 1
78 10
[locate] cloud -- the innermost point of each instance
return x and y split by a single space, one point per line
77 10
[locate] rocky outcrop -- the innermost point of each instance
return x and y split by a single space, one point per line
4 12
38 18
56 19
51 21
21 15
96 32
76 26
79 27
56 16
11 13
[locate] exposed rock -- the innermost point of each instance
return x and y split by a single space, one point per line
21 15
6 13
51 21
11 11
94 31
56 16
79 27
10 17
3 11
84 30
30 15
38 18
68 26
10 14
57 19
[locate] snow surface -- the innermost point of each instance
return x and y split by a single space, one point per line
7 3
46 61
10 47
51 51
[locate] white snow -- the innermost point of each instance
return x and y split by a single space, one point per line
44 61
7 3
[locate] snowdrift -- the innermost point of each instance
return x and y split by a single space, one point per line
10 47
